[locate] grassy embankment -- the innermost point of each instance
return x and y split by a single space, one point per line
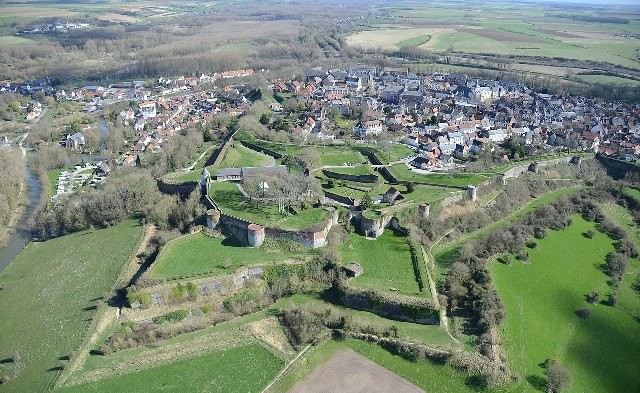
403 173
199 254
541 298
49 297
245 368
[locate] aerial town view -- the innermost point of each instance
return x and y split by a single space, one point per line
320 196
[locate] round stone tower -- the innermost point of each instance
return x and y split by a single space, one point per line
424 210
473 192
255 235
213 218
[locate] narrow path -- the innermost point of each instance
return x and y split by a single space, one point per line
444 321
288 366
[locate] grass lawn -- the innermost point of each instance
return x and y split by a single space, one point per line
232 202
239 156
425 374
395 152
339 156
197 254
53 180
403 173
50 293
541 299
238 369
386 262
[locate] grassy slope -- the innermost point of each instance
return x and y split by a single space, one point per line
426 334
49 289
386 262
446 253
431 377
198 253
402 173
239 156
240 369
541 298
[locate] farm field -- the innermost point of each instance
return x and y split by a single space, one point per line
424 374
403 173
386 262
53 310
541 322
606 79
531 30
245 368
231 201
349 372
199 254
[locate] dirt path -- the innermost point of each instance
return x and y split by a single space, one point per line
349 372
284 370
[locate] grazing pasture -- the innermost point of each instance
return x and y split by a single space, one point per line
246 368
51 291
541 299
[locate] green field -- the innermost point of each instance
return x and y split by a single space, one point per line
199 254
446 253
386 262
238 369
606 79
541 298
231 201
339 156
403 173
50 293
514 29
423 373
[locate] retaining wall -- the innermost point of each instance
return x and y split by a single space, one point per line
181 189
261 149
207 286
354 178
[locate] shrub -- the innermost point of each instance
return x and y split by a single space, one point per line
583 313
5 380
174 316
206 309
141 297
532 244
593 297
559 378
589 234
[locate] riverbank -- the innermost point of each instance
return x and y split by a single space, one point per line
10 228
18 234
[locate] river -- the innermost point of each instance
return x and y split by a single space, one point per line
19 239
22 235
